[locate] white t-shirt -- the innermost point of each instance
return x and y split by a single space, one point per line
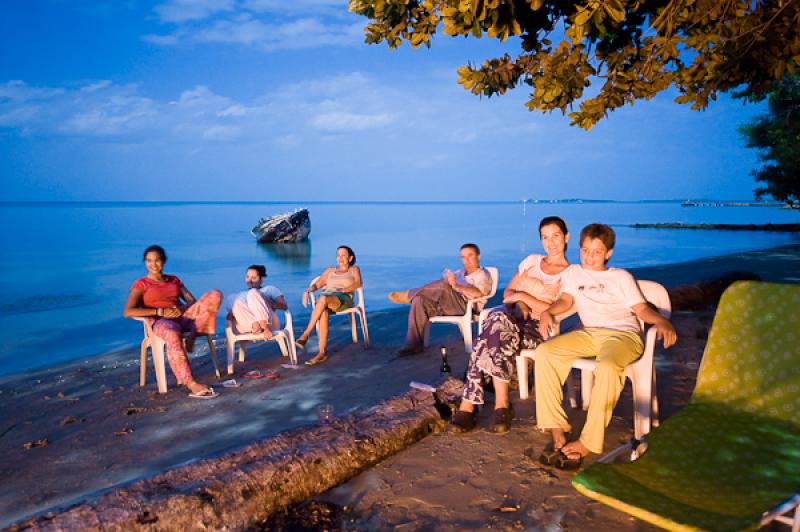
269 292
604 298
533 265
480 279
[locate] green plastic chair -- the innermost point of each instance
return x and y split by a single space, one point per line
729 460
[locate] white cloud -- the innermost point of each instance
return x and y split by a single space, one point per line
343 121
301 33
178 11
262 24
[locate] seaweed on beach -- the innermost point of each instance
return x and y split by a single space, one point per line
311 516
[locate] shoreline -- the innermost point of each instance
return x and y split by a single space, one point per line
101 427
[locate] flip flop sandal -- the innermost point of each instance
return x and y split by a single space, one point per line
300 345
230 383
208 393
314 362
273 375
254 374
549 457
568 462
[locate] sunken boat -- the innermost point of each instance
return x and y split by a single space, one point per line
287 227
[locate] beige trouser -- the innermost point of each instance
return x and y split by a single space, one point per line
614 351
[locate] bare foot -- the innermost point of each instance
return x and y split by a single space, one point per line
575 448
401 298
196 387
256 328
267 334
559 438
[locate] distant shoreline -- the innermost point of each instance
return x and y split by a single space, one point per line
789 228
525 201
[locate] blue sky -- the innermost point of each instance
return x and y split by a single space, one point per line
271 100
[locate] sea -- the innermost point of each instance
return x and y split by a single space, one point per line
67 268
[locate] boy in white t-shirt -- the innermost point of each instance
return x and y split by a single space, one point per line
610 306
254 309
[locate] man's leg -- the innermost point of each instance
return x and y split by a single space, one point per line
617 350
434 299
554 360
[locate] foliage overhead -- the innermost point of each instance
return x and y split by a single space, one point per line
633 49
776 135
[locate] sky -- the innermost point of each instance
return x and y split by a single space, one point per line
267 100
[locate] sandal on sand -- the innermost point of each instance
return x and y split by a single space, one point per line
549 456
300 345
462 422
254 374
272 374
208 393
569 461
315 361
502 420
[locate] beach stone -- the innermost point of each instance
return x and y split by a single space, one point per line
243 488
700 295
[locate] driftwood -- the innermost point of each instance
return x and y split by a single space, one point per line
243 488
700 295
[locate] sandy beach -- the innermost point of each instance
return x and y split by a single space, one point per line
79 428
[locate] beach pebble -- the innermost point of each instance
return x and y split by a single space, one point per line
68 420
61 395
38 443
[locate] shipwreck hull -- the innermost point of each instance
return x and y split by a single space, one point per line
287 227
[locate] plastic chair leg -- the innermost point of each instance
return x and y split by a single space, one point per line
466 331
143 362
212 350
353 331
230 349
364 330
242 351
426 337
281 341
654 403
571 393
587 382
522 376
158 347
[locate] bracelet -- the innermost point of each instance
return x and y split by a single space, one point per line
159 312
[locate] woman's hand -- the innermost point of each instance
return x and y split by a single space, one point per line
172 312
546 322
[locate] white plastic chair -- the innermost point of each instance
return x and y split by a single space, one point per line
642 373
357 309
158 348
465 321
283 337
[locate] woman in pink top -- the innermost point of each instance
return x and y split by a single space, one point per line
338 284
174 311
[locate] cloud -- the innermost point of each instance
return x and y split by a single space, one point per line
178 11
343 121
261 24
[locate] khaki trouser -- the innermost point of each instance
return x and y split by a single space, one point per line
614 350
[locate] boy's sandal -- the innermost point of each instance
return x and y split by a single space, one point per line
254 374
300 345
569 461
549 456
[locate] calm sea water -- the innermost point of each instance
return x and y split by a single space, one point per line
67 268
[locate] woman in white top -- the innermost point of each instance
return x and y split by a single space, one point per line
254 309
338 284
514 326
